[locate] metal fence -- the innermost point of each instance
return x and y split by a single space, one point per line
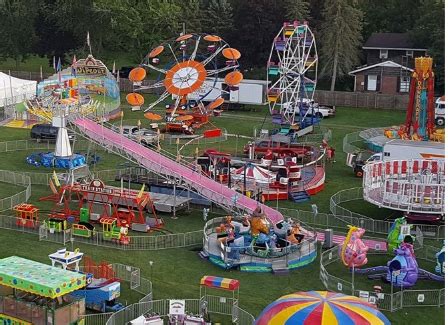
352 143
137 283
361 99
339 213
18 179
145 242
215 305
392 301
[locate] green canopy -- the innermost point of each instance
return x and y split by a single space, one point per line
38 278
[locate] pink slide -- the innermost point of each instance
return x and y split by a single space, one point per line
158 163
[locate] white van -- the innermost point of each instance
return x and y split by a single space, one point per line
440 111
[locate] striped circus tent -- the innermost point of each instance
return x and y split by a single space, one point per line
255 174
320 308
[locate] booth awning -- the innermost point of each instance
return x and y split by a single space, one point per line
38 278
220 283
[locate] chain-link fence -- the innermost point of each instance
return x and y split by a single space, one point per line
392 301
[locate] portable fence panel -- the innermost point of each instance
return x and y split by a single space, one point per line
421 298
219 305
96 319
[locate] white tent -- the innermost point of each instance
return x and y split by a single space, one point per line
15 90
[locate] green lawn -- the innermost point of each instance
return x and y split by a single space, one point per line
176 273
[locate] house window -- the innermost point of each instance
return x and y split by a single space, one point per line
404 84
410 53
371 82
384 54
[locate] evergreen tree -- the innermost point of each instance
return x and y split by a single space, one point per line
429 30
218 18
297 10
340 36
192 15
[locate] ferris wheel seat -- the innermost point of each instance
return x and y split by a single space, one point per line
211 48
273 71
230 63
308 42
309 87
280 46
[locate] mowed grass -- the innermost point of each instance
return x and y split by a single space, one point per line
176 272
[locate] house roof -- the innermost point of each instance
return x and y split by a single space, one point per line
392 41
389 64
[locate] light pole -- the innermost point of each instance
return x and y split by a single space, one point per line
150 269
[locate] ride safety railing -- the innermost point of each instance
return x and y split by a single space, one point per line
393 300
340 214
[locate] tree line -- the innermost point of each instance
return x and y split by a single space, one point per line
132 27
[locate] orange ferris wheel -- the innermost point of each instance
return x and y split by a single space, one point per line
185 72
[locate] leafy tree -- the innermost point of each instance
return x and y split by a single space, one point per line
258 22
429 31
192 15
391 16
17 33
340 36
297 9
218 18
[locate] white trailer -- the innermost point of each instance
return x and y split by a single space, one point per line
249 92
406 149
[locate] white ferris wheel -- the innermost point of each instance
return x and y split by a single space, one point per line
292 75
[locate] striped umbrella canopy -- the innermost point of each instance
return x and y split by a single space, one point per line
254 173
320 307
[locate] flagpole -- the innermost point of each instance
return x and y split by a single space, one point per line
88 43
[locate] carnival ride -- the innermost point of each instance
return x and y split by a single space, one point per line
27 215
102 288
353 251
183 65
114 208
402 270
273 177
416 186
36 293
292 76
397 233
252 244
320 308
183 173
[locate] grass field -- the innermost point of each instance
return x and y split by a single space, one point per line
176 273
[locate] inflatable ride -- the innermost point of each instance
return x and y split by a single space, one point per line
353 251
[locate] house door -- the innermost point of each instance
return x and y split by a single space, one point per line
371 82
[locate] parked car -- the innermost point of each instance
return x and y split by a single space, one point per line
145 136
319 110
47 132
324 111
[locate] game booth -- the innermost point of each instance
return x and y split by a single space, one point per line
36 293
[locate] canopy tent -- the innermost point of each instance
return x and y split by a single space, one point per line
37 278
254 173
14 90
321 307
220 283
